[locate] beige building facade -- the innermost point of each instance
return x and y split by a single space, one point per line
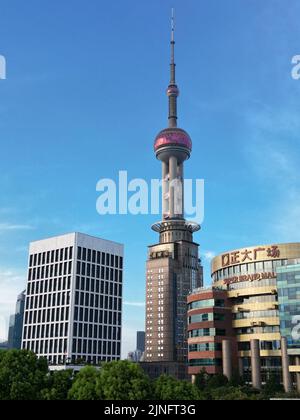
249 275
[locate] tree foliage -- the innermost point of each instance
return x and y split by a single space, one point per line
84 385
201 380
58 385
22 375
232 393
25 377
272 386
123 380
217 381
236 380
169 388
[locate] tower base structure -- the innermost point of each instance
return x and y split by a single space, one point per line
173 270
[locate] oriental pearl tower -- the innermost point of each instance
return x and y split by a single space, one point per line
173 265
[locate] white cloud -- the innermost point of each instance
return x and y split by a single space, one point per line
137 304
4 227
273 121
208 255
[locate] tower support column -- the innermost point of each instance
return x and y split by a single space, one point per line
181 198
227 359
256 364
287 382
165 172
172 189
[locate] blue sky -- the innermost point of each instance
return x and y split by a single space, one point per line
85 98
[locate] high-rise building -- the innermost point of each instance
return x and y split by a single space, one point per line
240 323
135 356
173 266
138 354
73 310
16 324
140 341
4 345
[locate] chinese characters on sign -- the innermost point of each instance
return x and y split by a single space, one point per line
246 256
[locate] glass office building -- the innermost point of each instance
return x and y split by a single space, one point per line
288 284
16 324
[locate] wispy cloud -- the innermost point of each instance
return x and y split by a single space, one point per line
269 120
4 227
208 255
136 304
11 280
273 136
272 152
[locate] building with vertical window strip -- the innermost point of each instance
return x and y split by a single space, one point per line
73 309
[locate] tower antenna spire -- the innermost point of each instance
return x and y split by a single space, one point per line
172 81
173 91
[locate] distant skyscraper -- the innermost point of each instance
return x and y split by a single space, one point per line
4 345
73 307
140 341
173 266
137 355
16 324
